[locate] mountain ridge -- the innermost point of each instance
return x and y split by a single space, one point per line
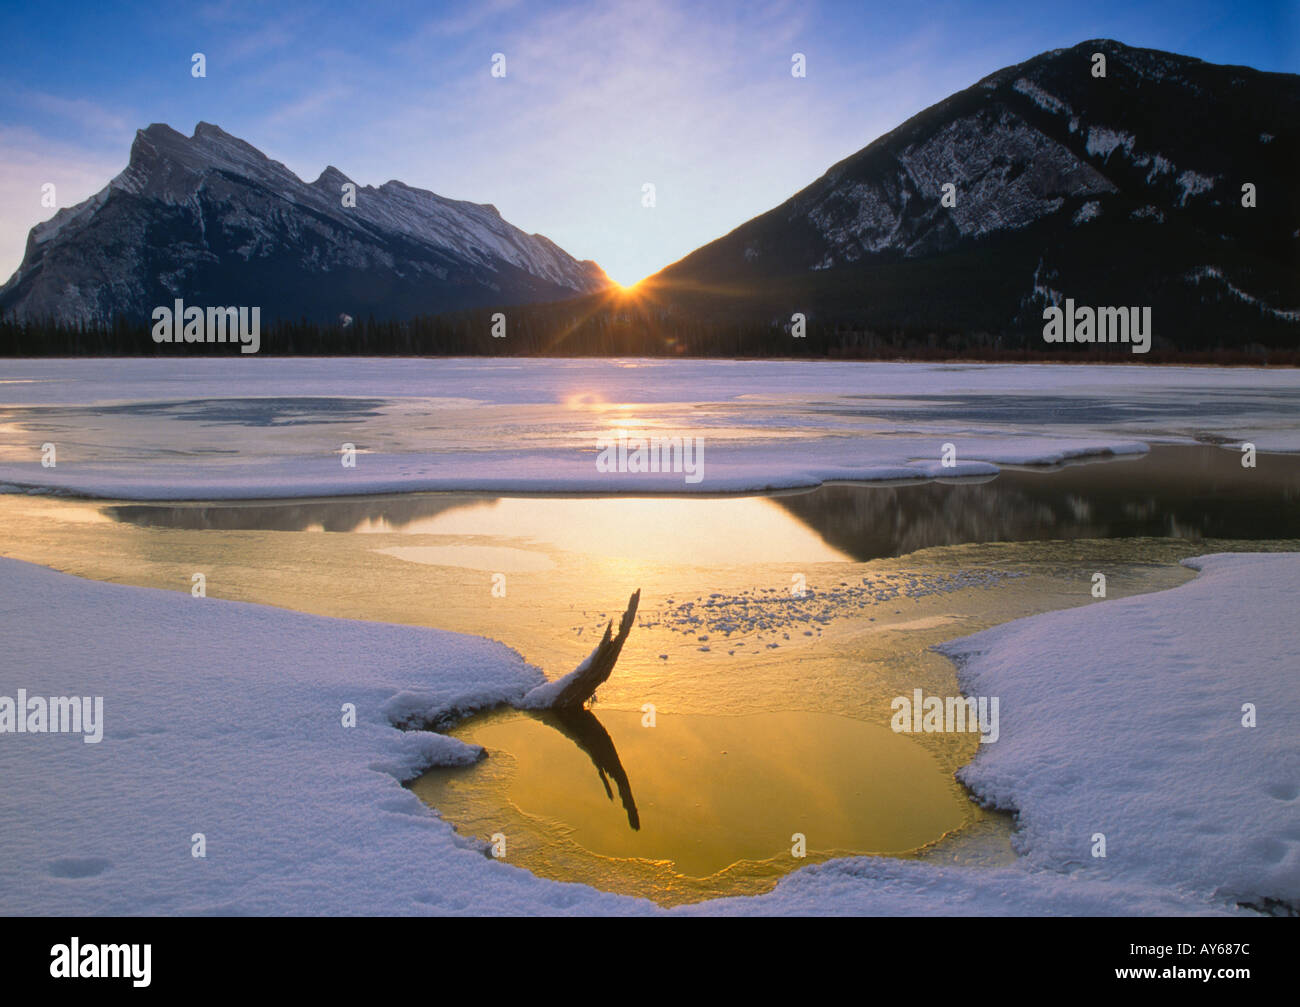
1050 167
1123 190
201 216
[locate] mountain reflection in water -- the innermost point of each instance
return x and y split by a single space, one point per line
1175 491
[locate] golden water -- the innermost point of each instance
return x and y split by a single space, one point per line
760 733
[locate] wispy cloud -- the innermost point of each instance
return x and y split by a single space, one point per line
598 102
598 99
88 116
30 160
464 21
310 106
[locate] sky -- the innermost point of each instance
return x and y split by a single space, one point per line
598 99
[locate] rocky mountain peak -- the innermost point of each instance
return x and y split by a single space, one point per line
210 215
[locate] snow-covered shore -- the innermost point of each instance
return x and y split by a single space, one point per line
1167 723
260 428
225 719
751 468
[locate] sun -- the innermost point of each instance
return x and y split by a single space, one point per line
627 289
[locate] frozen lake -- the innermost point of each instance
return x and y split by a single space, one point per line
774 709
223 429
466 470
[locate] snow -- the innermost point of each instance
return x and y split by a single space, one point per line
1153 755
1159 166
1043 99
976 154
855 218
1090 210
46 230
223 718
1193 184
543 697
1214 273
170 168
767 609
981 154
1103 141
188 428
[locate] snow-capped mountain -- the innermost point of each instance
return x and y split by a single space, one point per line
1118 189
211 219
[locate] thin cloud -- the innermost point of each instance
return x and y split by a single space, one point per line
598 98
464 21
84 114
310 106
29 160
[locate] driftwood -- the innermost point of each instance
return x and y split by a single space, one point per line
562 705
573 690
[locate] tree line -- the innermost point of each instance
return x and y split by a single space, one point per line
602 326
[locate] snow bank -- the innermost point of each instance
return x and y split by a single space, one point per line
728 468
543 697
1126 719
224 718
879 886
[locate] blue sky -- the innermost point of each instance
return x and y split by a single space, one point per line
598 99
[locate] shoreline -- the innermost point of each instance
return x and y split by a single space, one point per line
891 476
874 885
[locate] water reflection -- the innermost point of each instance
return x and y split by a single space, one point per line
340 514
700 531
712 792
1185 491
585 730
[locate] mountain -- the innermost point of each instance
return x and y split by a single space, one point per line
1117 190
1123 190
212 220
